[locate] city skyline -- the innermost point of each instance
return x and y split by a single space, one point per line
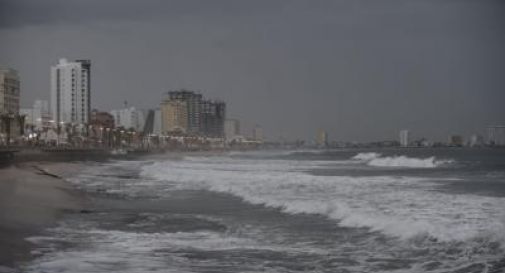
324 59
130 117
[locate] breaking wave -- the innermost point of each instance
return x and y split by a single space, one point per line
376 160
366 156
404 207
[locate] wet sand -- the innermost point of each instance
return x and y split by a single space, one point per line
32 197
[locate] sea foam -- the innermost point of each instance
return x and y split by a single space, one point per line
366 156
377 160
403 207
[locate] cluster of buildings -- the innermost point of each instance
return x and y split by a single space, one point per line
495 137
183 116
69 119
186 112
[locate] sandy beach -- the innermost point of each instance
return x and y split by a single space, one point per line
32 197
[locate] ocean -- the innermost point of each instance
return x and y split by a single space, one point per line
388 210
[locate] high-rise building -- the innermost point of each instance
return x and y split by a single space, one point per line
194 106
203 117
71 91
11 122
129 118
174 116
212 117
9 91
404 138
231 129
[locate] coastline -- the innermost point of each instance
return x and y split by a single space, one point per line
118 225
33 196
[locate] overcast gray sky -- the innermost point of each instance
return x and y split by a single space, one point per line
362 70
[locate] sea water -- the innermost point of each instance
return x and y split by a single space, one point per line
397 210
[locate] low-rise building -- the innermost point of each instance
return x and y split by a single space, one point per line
37 118
101 119
129 118
231 129
455 140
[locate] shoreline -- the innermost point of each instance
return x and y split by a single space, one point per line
33 197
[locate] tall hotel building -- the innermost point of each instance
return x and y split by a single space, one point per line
193 103
71 91
174 116
186 111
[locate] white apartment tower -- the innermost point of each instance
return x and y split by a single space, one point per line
404 138
71 91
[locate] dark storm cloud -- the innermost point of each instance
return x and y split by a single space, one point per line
14 13
33 12
360 69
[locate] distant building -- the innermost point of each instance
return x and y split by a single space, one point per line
404 138
174 116
71 91
101 119
37 118
41 114
152 125
476 141
496 135
28 114
157 121
149 123
456 140
231 129
322 138
257 133
128 118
